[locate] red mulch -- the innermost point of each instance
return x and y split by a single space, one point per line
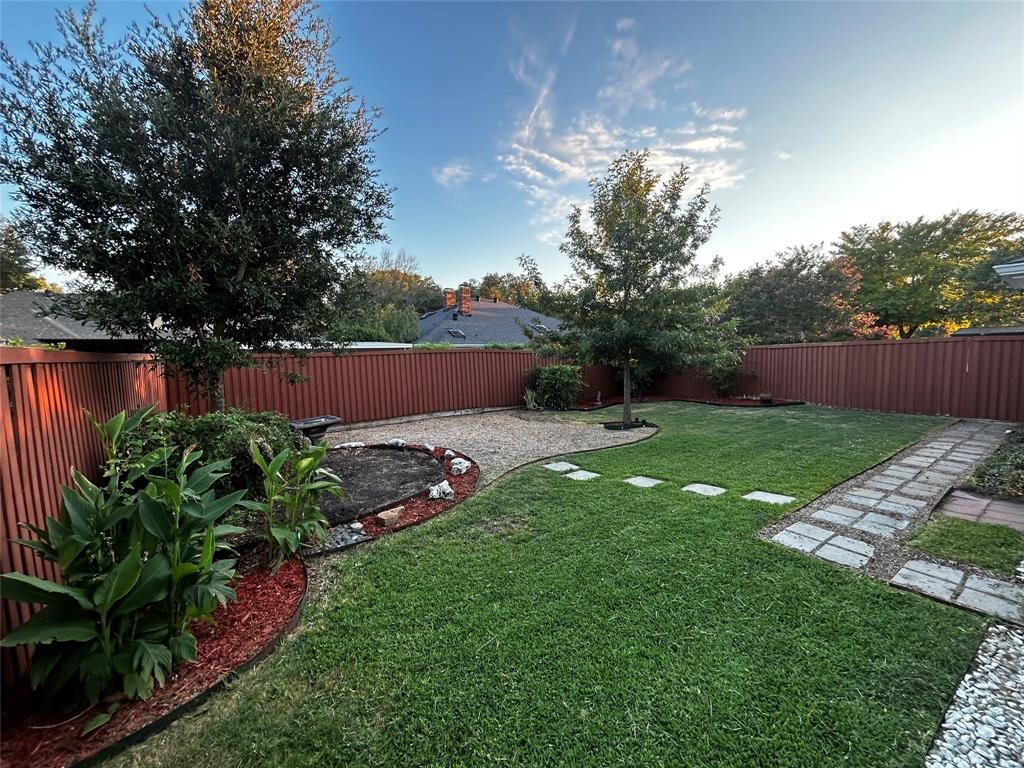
742 402
266 603
419 507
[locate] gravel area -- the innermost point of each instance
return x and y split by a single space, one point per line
497 441
984 725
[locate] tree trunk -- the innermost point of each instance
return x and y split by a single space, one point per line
627 404
215 393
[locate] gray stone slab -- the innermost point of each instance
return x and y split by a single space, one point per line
936 571
832 517
926 584
841 556
924 490
853 545
938 478
881 484
867 492
886 520
770 498
918 461
810 531
581 474
560 466
1003 589
640 481
703 489
862 501
897 471
899 509
906 501
879 530
795 541
986 603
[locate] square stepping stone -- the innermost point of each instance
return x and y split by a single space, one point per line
1004 589
875 528
788 538
769 498
810 531
853 545
863 501
643 482
905 500
581 474
703 489
560 466
842 556
882 484
899 509
829 514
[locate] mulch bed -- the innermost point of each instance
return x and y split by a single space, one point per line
266 604
419 508
741 402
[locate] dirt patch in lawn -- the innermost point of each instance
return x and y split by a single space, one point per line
376 478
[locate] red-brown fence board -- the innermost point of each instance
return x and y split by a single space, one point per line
45 434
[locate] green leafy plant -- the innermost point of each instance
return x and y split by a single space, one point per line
137 559
530 398
219 435
1001 475
558 386
292 483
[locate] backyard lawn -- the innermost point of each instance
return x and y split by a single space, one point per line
548 621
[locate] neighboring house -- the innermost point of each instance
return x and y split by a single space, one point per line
24 318
1012 273
488 322
1001 330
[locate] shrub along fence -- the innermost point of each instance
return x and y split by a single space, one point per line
44 433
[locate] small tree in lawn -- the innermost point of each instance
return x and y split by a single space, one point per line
636 292
210 179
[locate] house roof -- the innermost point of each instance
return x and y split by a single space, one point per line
1000 330
490 322
23 316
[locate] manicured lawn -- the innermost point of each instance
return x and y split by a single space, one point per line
554 622
997 547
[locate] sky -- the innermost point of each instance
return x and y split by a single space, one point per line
804 118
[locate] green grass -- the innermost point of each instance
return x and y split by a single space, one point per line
996 547
553 622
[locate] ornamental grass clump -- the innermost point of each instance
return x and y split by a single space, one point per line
138 563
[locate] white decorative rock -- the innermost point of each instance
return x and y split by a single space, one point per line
560 466
356 526
704 489
352 445
770 498
397 442
449 454
460 466
429 447
441 491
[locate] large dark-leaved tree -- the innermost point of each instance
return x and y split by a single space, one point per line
209 178
637 297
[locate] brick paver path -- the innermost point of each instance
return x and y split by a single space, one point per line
980 509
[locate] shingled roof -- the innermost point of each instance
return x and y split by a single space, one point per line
23 316
490 323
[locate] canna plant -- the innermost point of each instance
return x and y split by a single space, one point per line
292 483
137 557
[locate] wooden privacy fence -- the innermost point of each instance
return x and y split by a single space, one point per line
372 386
45 434
978 377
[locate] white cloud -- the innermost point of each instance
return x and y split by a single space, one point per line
783 154
625 25
453 175
550 160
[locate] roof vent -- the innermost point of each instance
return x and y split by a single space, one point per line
540 328
456 333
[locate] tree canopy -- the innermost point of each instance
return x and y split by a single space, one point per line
16 265
210 178
937 273
637 293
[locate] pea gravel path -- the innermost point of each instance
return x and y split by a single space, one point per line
497 441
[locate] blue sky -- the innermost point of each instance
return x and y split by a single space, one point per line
805 118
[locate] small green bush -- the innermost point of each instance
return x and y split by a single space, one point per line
557 386
1001 475
220 435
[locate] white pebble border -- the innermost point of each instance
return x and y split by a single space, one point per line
984 725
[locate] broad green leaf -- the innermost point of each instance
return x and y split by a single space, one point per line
52 624
79 510
29 589
152 586
155 517
278 462
119 581
114 426
137 416
183 646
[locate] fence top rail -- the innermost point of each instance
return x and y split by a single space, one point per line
891 342
15 355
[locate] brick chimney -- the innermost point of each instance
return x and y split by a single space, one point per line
449 298
464 300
